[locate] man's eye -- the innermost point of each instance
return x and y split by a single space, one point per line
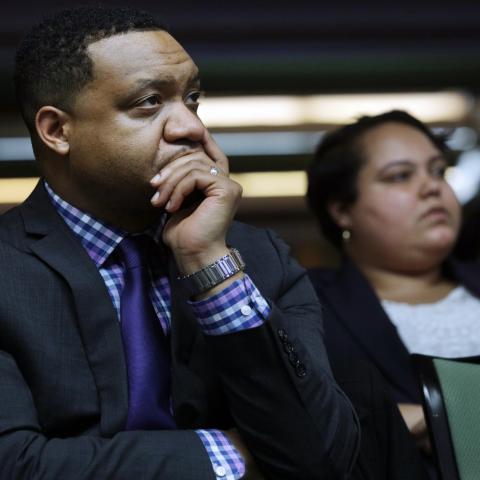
151 101
193 98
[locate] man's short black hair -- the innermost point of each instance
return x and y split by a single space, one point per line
332 175
52 64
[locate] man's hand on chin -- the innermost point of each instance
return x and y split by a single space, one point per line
196 234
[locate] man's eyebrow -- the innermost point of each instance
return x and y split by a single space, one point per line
195 79
158 83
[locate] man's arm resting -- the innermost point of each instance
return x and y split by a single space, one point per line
26 453
296 425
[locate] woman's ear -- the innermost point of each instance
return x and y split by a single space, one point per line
52 129
340 214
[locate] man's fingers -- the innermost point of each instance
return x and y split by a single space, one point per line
215 153
182 190
191 159
172 193
223 189
166 181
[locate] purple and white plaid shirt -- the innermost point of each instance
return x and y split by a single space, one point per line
238 307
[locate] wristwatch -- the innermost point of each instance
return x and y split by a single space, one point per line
213 274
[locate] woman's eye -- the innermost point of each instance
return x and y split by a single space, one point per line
399 176
439 171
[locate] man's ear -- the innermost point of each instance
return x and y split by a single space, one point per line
52 128
340 214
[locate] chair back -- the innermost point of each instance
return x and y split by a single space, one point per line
451 397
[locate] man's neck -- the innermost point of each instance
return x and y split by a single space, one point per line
118 216
122 220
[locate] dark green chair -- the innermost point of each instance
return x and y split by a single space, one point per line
451 401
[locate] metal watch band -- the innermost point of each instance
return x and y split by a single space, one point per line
213 274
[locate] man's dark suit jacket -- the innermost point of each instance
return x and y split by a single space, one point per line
63 383
359 325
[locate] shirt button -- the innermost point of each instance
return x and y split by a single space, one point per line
246 310
220 471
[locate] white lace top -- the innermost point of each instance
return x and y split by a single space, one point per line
447 328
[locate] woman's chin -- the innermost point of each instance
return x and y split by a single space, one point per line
440 242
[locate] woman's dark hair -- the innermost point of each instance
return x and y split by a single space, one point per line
332 175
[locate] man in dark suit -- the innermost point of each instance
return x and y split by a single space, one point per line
142 333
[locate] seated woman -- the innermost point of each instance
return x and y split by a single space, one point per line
378 190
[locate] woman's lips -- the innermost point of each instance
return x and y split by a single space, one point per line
436 212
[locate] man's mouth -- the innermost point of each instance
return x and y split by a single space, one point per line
184 153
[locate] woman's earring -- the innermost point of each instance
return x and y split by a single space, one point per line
346 235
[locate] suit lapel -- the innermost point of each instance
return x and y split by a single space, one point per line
359 310
53 243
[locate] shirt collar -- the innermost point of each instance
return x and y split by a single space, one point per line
99 238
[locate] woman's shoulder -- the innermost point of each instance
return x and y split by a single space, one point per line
463 265
322 275
464 272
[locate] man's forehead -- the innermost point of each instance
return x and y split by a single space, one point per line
134 51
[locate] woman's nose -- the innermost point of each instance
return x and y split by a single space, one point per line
431 184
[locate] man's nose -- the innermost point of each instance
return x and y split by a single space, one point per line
183 124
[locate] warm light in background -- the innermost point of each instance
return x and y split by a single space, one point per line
464 179
288 111
16 190
258 184
272 184
313 113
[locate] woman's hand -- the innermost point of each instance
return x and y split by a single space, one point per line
413 416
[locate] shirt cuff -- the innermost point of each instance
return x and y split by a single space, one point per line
227 463
239 306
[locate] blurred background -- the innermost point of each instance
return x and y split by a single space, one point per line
278 76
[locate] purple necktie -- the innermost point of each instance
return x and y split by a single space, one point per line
146 348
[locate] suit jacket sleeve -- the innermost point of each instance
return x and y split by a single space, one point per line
26 453
296 421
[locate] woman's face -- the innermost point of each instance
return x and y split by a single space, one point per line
406 216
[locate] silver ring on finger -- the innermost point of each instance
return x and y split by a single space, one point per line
214 171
